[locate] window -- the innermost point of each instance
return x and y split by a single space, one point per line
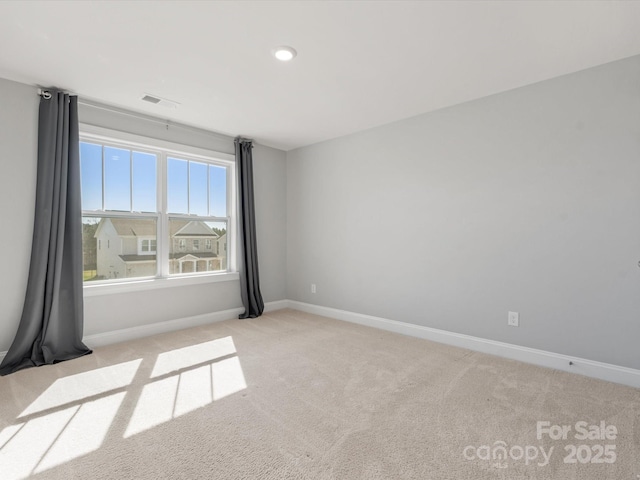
157 205
147 246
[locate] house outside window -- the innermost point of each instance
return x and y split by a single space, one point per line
156 205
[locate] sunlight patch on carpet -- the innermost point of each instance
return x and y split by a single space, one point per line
154 407
84 433
21 455
194 390
193 355
227 378
83 385
71 418
167 398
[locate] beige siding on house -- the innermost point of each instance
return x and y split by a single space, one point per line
109 263
129 246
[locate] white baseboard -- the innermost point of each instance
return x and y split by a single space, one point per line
277 305
581 366
126 334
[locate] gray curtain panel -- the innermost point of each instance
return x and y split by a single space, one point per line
248 250
50 329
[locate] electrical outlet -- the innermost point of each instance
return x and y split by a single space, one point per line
514 319
313 288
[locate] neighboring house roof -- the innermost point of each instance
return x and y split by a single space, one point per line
138 258
139 227
191 229
178 256
173 256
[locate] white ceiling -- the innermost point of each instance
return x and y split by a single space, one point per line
360 63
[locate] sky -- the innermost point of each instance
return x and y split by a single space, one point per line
130 182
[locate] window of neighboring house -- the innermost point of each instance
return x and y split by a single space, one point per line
208 244
124 189
147 246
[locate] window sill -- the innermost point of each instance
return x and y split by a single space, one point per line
93 290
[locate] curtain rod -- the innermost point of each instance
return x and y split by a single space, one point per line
149 118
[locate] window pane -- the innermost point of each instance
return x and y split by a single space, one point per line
113 248
177 185
217 191
197 188
220 244
91 172
144 182
197 246
117 179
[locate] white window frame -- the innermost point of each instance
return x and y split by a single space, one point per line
164 149
142 251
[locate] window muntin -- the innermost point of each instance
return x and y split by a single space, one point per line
125 184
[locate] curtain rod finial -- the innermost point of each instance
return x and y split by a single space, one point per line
46 94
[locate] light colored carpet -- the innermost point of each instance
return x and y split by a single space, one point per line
297 396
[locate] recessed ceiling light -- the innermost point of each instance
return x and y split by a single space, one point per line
284 53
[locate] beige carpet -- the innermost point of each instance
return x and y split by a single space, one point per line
296 396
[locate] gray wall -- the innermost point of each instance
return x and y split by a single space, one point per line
270 188
527 201
18 149
18 154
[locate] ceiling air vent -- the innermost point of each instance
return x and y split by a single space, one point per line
160 101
